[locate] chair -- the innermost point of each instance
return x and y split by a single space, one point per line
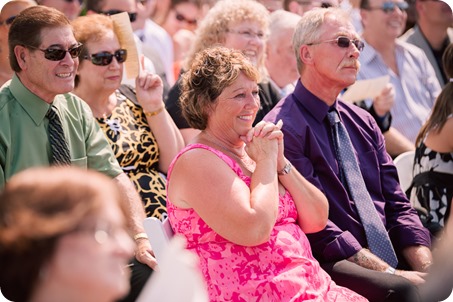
159 234
404 164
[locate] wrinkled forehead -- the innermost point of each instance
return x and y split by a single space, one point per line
338 25
61 35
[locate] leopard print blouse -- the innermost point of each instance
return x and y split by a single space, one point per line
136 150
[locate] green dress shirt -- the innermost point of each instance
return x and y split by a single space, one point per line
24 141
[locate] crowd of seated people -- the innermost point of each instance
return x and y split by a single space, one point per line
144 124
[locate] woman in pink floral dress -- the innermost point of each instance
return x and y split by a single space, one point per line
235 198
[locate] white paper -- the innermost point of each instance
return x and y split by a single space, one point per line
365 89
178 279
123 29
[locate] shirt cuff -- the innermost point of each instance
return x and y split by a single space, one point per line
343 247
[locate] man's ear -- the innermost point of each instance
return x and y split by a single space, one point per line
305 53
21 54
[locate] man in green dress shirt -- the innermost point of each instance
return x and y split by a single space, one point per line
43 54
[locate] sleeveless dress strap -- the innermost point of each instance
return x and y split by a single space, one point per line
228 160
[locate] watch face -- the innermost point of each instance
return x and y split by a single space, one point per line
286 169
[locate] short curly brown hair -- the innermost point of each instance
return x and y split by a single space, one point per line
212 70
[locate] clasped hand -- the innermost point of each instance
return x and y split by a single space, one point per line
265 140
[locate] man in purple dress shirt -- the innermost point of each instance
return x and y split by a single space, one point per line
328 49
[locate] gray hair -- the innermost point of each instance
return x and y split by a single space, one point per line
308 29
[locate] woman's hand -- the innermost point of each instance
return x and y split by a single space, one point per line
149 89
264 140
272 133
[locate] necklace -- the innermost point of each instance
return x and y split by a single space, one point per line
243 160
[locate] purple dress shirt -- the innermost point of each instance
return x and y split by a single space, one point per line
309 147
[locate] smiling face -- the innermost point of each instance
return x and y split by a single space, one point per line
236 107
93 77
44 77
385 26
247 37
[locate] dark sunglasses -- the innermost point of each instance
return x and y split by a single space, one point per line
104 58
181 18
8 21
389 7
70 1
322 4
132 16
344 42
57 54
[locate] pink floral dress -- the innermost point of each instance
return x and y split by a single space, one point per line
282 269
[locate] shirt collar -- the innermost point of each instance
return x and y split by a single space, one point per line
35 107
314 106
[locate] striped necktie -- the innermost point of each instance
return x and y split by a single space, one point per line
376 234
58 144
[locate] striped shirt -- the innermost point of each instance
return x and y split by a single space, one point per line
416 86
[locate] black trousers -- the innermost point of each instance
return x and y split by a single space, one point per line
373 285
140 274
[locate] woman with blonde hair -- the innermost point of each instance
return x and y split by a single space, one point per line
236 24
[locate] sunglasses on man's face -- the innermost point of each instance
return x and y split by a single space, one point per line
132 16
181 18
104 58
54 53
8 21
344 42
389 7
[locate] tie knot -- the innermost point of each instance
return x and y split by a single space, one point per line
51 113
333 117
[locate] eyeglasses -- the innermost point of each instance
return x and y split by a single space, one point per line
54 53
104 58
70 1
8 21
315 4
181 18
248 34
389 7
344 42
132 16
104 232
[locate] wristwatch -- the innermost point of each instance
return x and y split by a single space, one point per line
390 270
286 169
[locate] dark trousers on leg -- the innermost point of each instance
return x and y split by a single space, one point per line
373 285
140 274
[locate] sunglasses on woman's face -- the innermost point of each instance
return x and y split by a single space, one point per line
104 58
54 53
